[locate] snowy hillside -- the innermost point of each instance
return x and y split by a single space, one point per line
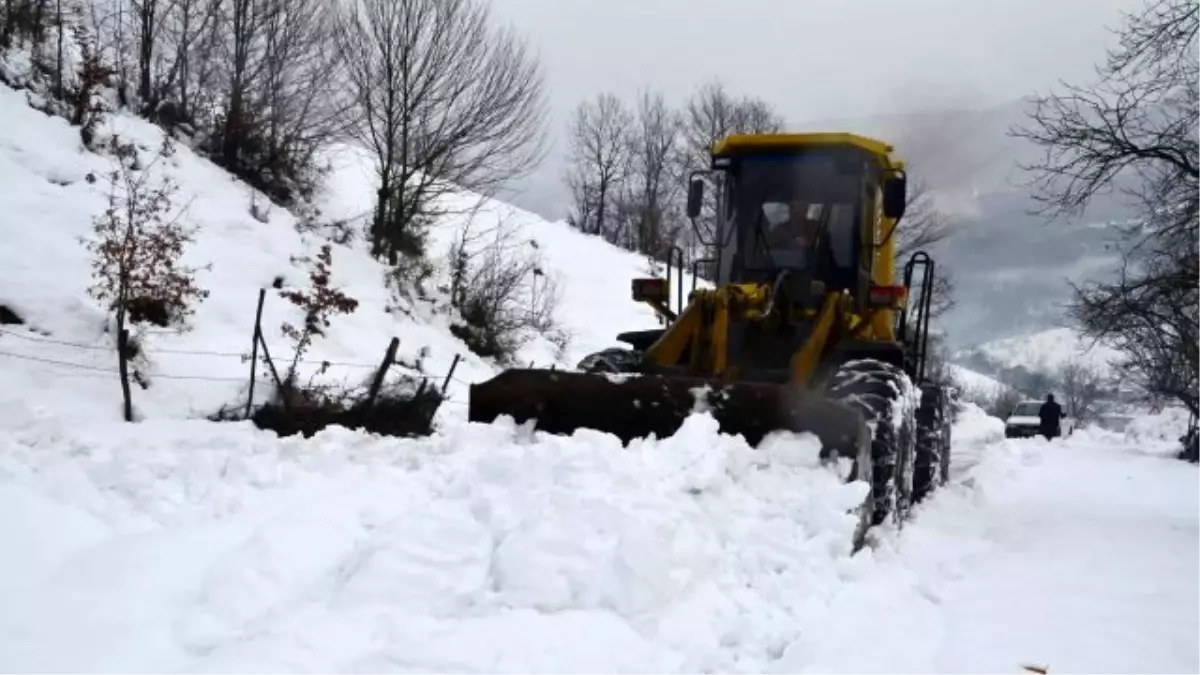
47 205
974 383
1047 352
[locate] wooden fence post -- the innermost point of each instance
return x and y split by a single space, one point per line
450 373
388 359
262 294
283 394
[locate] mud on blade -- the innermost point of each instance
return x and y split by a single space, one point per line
638 405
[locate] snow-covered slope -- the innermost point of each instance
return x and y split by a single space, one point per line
974 383
1051 350
63 359
1047 351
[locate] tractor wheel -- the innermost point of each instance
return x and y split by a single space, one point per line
887 399
933 442
612 360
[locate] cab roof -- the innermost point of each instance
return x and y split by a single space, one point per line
751 144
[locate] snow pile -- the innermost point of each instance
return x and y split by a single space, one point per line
195 546
63 358
200 546
1159 431
974 428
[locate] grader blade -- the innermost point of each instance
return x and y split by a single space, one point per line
635 406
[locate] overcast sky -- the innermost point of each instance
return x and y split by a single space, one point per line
814 59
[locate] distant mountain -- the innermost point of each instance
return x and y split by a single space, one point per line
1047 352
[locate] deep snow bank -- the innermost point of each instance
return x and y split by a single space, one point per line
195 546
198 546
63 358
192 547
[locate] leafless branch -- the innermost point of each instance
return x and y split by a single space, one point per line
444 100
1135 130
599 164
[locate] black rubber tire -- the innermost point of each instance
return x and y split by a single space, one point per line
875 389
612 360
932 455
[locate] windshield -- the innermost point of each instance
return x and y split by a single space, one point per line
1027 409
785 206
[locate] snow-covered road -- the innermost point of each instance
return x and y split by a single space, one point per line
1082 556
1094 570
190 546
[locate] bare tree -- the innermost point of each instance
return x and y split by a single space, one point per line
148 19
107 26
713 112
756 116
23 19
599 163
188 39
241 29
444 100
1082 389
137 249
502 291
304 106
1153 322
259 77
651 198
1135 130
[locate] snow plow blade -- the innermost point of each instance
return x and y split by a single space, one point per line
635 406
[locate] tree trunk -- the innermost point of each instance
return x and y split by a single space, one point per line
145 53
232 137
123 363
58 61
6 26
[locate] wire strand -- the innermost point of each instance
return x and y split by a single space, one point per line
190 352
114 371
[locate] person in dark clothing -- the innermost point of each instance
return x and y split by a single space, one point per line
1050 416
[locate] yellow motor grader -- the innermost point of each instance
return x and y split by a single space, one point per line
806 328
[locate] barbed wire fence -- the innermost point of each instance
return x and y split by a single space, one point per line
259 355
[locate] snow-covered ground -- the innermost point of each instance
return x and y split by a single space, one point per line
196 546
1079 556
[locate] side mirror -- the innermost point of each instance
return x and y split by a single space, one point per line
695 197
895 196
